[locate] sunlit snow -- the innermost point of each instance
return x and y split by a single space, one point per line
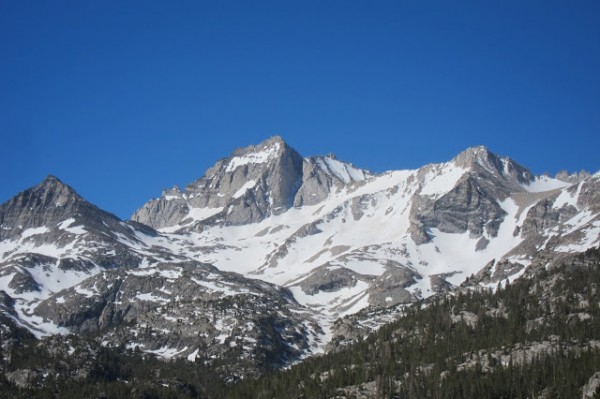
252 158
545 183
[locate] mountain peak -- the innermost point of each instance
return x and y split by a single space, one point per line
45 204
265 152
50 199
480 155
481 158
472 155
53 187
274 139
51 179
51 182
274 142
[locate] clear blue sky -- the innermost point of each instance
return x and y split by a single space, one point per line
121 99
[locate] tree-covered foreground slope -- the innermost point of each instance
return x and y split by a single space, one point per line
537 337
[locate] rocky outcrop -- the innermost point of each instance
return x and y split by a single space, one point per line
390 288
54 207
544 215
323 175
328 279
189 310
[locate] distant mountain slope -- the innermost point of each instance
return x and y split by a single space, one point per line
68 267
378 240
275 247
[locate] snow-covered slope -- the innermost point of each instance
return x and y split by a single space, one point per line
311 239
387 239
68 267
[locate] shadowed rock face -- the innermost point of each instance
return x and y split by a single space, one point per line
328 279
467 207
473 203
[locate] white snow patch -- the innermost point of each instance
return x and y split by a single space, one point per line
149 297
166 352
54 279
44 328
591 239
150 271
564 199
50 250
252 158
66 226
147 271
226 289
247 186
341 170
85 292
8 247
202 213
171 273
544 183
440 181
326 301
365 266
34 231
192 356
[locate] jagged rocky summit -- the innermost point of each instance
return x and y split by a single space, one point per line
249 186
258 258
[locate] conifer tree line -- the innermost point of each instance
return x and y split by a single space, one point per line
533 337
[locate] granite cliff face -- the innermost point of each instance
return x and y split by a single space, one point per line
250 185
257 259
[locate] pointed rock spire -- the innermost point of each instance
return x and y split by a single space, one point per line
480 159
47 204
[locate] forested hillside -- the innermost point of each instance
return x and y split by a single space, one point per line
539 336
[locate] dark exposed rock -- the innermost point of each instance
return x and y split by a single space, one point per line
439 284
22 281
178 309
390 288
328 279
